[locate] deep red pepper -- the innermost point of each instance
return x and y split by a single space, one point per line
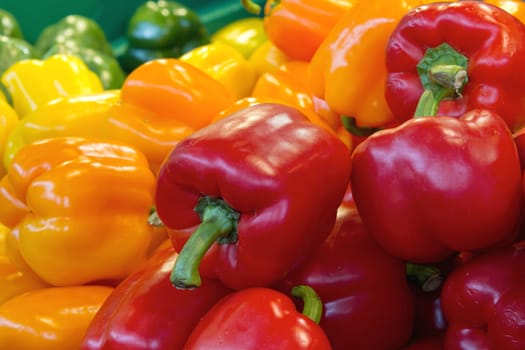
261 318
364 290
489 45
483 302
436 185
264 182
145 311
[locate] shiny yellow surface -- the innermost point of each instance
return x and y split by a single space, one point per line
80 209
33 83
267 57
50 318
8 120
245 35
82 116
225 64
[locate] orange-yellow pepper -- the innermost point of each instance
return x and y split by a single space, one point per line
79 208
225 64
245 35
163 101
348 69
8 120
82 116
514 7
50 318
267 57
297 27
32 83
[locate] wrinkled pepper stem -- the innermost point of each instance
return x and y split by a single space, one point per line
443 74
429 278
350 125
219 224
251 6
312 305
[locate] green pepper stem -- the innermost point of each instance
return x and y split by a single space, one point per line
219 221
443 74
251 6
429 278
350 125
312 305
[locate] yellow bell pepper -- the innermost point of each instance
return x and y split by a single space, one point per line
82 116
79 208
225 64
33 82
348 69
8 120
245 35
51 318
267 57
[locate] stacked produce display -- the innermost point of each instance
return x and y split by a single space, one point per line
318 174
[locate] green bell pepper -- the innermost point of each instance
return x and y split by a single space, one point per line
12 50
105 66
9 25
160 29
80 30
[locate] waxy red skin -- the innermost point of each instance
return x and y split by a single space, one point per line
147 312
483 302
364 290
493 41
257 318
437 185
283 174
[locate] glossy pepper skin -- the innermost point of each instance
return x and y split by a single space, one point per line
73 29
33 83
253 183
81 116
50 318
53 190
260 318
245 35
347 70
8 120
225 64
436 185
13 50
162 102
161 29
145 311
483 302
494 55
9 25
298 27
363 289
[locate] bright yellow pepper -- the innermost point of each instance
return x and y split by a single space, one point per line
33 83
225 64
50 318
82 116
267 57
8 120
245 35
348 69
79 208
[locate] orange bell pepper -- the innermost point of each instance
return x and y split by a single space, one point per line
297 27
514 7
163 101
289 84
50 318
348 69
77 209
8 120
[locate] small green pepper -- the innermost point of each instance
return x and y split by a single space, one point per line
9 25
12 50
80 30
160 29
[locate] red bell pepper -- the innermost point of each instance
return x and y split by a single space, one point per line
145 311
460 56
263 180
261 318
483 302
364 290
436 185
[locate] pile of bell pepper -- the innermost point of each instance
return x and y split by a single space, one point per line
322 174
